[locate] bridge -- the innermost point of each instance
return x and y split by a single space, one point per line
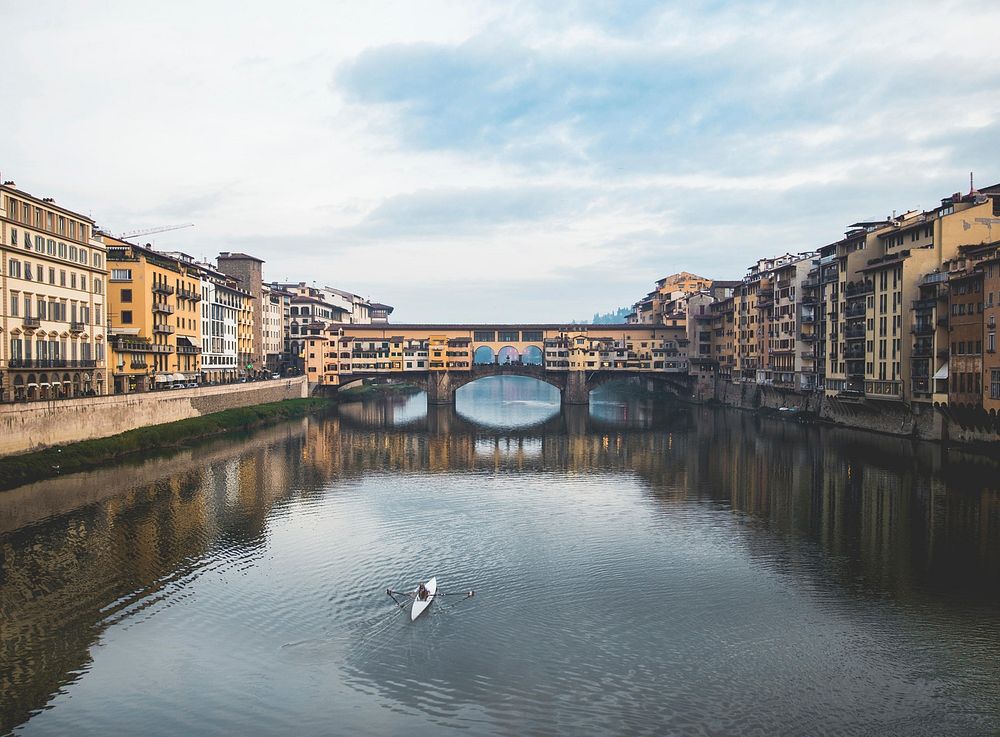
442 358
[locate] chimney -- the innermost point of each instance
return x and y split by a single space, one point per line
10 183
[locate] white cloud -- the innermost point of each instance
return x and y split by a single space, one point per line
576 149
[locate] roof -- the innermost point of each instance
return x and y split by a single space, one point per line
47 202
380 306
227 255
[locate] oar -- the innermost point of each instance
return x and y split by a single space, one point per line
392 594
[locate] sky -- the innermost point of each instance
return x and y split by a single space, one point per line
507 162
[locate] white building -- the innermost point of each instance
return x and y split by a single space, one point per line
220 304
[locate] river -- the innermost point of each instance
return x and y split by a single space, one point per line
638 568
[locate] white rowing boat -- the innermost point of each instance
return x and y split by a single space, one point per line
419 605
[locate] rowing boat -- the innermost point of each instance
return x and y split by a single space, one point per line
419 605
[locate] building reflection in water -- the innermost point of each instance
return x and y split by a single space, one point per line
78 553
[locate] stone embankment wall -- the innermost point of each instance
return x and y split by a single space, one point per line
952 426
36 425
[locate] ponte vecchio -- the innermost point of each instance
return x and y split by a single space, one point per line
441 358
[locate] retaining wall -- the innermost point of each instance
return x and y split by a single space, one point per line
951 426
37 425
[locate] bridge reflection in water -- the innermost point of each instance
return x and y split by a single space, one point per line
892 519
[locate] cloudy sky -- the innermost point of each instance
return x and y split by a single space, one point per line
477 161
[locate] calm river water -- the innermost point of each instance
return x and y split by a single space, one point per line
638 570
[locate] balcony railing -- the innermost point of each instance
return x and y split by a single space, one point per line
188 349
922 351
855 289
852 332
50 363
924 304
77 327
164 329
32 323
183 293
923 329
884 389
935 278
139 365
163 288
855 310
163 307
854 352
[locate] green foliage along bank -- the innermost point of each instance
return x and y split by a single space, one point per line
89 454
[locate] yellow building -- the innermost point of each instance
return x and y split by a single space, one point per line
52 300
155 329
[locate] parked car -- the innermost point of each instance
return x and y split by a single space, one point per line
275 376
192 385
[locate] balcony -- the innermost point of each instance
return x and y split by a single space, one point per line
935 278
77 327
857 289
884 389
853 332
190 349
922 350
854 352
32 323
924 304
923 329
808 317
855 310
163 329
139 365
163 307
808 337
807 356
163 288
810 281
183 293
50 363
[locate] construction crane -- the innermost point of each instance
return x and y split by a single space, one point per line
150 231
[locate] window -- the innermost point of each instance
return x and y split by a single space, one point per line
62 277
121 275
98 287
83 255
62 250
39 244
126 317
994 382
50 247
484 336
13 236
14 303
126 295
14 269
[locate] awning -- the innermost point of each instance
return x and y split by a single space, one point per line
179 377
942 373
33 384
161 379
181 340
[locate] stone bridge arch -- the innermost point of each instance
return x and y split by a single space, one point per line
574 386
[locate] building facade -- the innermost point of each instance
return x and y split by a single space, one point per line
153 301
53 278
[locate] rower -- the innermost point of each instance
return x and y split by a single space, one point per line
422 592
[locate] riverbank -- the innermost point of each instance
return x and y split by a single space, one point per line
90 454
31 427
